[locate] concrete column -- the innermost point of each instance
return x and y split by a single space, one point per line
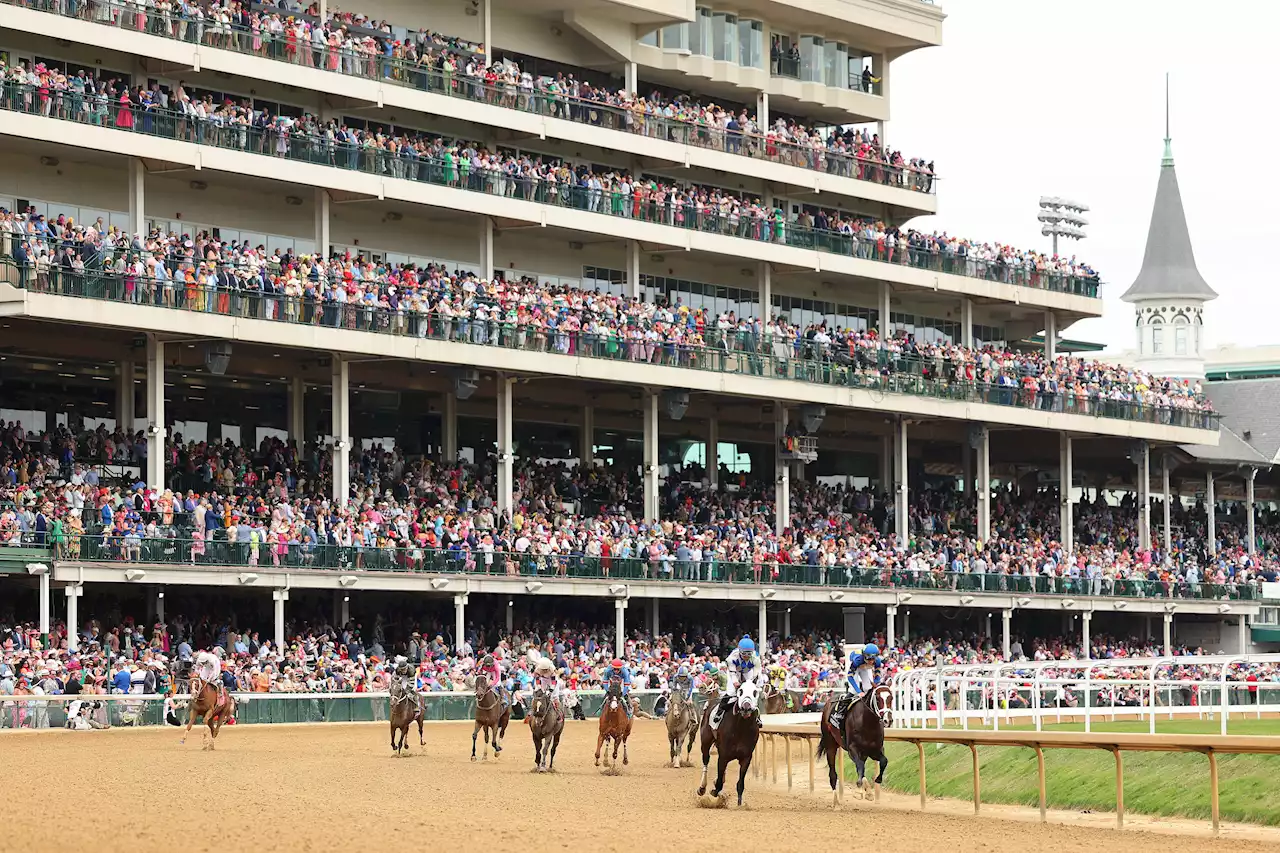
764 289
886 464
654 608
632 79
890 637
782 472
1211 529
322 222
966 470
485 266
1006 642
587 438
982 483
324 10
73 616
1066 474
1168 508
1144 495
1086 617
126 412
298 411
902 526
486 30
449 427
966 322
986 627
279 596
619 626
137 196
906 627
650 456
159 614
762 629
460 620
510 615
1050 335
341 428
1242 624
506 456
762 111
885 309
713 452
46 607
634 286
1249 519
342 607
1168 634
155 412
786 623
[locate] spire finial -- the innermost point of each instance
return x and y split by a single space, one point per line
1168 139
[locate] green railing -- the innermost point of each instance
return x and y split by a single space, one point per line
677 210
741 353
216 553
398 71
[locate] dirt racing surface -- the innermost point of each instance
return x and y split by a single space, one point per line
330 788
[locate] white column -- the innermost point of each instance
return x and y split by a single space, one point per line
510 615
155 412
632 80
982 483
1144 495
764 289
486 30
1211 529
986 629
506 481
1243 628
73 616
324 11
633 270
137 196
160 605
1066 474
485 266
902 526
650 456
1006 642
653 617
46 605
298 411
786 623
782 472
762 111
322 222
619 626
890 637
344 607
1249 520
341 428
885 307
1085 618
713 452
966 322
762 629
1168 634
449 427
587 438
460 620
1168 509
906 627
126 412
279 596
1050 335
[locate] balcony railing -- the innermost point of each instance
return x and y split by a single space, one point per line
414 75
288 143
740 353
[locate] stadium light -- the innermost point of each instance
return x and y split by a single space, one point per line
1062 217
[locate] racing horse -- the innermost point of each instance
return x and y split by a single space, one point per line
615 725
681 718
778 701
406 709
492 715
734 740
546 724
860 733
212 704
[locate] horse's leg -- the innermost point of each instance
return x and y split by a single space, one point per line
883 761
625 759
743 764
474 734
191 718
394 748
860 762
722 762
555 744
599 746
422 739
688 753
208 715
833 757
706 760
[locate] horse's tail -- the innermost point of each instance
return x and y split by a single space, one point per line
826 741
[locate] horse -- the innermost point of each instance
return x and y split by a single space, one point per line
546 724
681 716
213 705
734 740
777 700
406 709
491 715
615 725
861 734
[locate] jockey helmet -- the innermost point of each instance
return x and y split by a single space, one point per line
871 651
617 663
746 645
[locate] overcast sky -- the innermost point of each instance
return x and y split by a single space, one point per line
1030 97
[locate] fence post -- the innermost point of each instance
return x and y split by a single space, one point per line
812 771
786 749
1119 789
1213 791
1044 817
773 758
977 780
923 800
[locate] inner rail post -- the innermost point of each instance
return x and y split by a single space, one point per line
923 798
977 780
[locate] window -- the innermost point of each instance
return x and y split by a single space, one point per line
1181 334
725 29
702 33
750 44
1157 336
676 37
650 38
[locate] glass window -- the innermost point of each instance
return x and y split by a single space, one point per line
702 36
829 64
811 58
725 29
751 44
1181 335
1157 337
650 38
676 37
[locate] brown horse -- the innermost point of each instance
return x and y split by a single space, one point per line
681 717
615 725
492 715
212 704
406 709
735 739
778 701
546 723
860 733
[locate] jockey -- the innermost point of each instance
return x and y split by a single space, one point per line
618 669
859 677
743 665
683 683
208 669
489 667
544 678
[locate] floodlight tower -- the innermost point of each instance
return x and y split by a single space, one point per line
1062 218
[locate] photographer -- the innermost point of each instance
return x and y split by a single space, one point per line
80 716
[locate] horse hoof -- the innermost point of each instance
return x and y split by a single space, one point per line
473 758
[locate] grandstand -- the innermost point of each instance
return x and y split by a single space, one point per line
616 306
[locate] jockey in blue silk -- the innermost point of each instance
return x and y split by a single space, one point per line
860 669
618 669
742 665
683 682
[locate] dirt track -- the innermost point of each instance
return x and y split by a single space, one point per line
339 788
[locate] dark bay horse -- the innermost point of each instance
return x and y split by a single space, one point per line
615 725
406 709
546 723
778 701
212 704
861 734
734 740
681 727
492 715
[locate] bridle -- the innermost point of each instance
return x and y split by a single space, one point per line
882 704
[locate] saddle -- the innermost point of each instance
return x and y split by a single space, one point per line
842 707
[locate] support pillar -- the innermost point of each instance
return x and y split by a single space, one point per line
1144 495
506 481
762 112
650 456
1168 507
510 616
460 620
322 222
619 627
159 614
886 464
486 29
155 412
449 427
1050 336
764 289
982 482
654 607
713 453
1242 625
485 267
632 79
986 627
782 472
786 623
279 596
587 438
298 411
1086 617
634 285
1249 519
1006 641
890 637
762 629
885 311
1066 475
1168 635
137 196
906 627
966 323
901 512
340 386
966 470
73 616
1211 529
126 412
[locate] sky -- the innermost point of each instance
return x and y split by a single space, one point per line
1027 98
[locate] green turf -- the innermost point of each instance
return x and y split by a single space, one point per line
1155 783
